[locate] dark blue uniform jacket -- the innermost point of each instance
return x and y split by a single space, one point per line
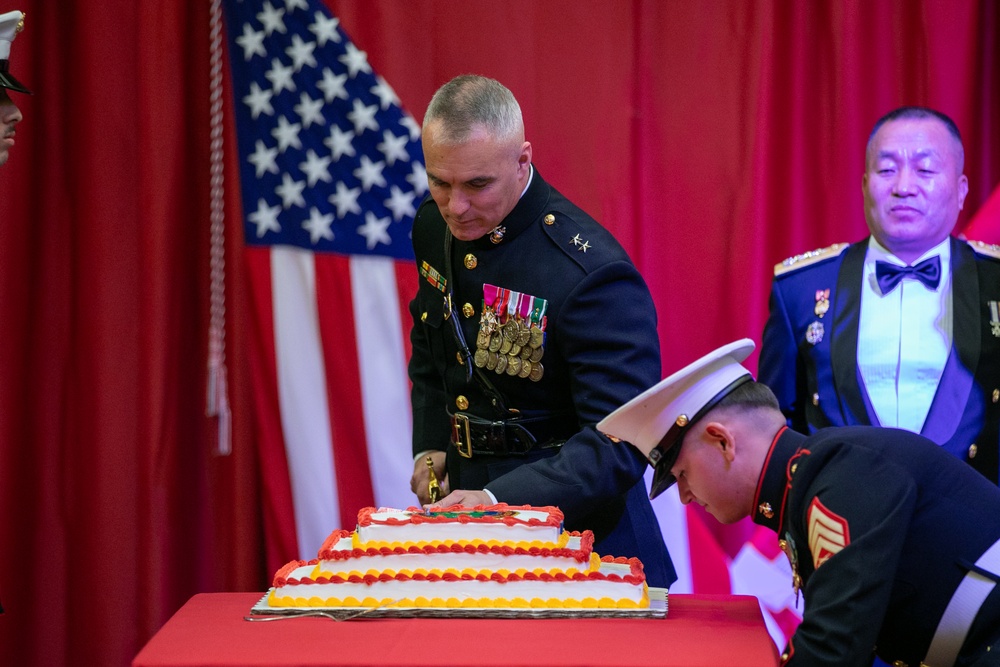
601 349
820 385
914 521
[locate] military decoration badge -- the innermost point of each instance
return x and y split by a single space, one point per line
994 307
432 276
511 333
814 333
787 545
822 302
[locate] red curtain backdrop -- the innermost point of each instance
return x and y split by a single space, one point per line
714 138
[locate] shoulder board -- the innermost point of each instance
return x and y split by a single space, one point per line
811 257
587 248
988 249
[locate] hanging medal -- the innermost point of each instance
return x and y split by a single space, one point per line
537 338
487 326
788 546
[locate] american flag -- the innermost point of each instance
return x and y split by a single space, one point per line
331 172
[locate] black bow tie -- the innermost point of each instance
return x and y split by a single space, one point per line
928 272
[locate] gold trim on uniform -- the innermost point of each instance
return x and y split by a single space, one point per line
462 403
549 219
989 249
470 261
468 310
807 258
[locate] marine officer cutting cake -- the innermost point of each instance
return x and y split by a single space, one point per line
529 325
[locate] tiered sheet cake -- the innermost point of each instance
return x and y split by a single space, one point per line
486 557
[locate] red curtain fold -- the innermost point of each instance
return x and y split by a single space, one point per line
713 138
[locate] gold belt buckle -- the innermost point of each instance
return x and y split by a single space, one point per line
459 421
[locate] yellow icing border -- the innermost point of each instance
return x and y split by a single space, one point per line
454 603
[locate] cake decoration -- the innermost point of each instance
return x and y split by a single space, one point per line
461 561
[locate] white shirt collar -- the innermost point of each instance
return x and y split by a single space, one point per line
876 251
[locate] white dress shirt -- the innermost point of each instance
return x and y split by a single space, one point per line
904 339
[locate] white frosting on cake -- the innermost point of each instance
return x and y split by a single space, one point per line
392 525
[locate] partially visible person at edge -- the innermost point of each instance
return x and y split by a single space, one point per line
902 328
894 543
11 23
530 324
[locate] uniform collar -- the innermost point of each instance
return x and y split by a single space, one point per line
527 211
775 479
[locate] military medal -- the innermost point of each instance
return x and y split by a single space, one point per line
788 546
511 334
814 334
822 302
487 326
513 365
994 317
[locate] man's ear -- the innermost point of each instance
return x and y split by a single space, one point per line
717 432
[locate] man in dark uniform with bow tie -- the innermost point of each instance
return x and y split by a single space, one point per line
893 543
530 324
901 329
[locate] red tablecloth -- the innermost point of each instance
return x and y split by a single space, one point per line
699 631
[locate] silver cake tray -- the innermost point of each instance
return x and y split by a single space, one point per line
262 611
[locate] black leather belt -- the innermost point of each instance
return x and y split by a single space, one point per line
511 437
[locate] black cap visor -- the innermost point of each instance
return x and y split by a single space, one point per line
665 454
8 81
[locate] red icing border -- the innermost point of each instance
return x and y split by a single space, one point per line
418 517
636 578
581 555
281 576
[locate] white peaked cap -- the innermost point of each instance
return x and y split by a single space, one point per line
656 420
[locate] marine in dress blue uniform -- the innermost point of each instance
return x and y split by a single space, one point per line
518 422
814 371
882 527
894 544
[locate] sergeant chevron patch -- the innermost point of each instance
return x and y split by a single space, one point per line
828 532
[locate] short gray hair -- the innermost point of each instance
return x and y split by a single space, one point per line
469 101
